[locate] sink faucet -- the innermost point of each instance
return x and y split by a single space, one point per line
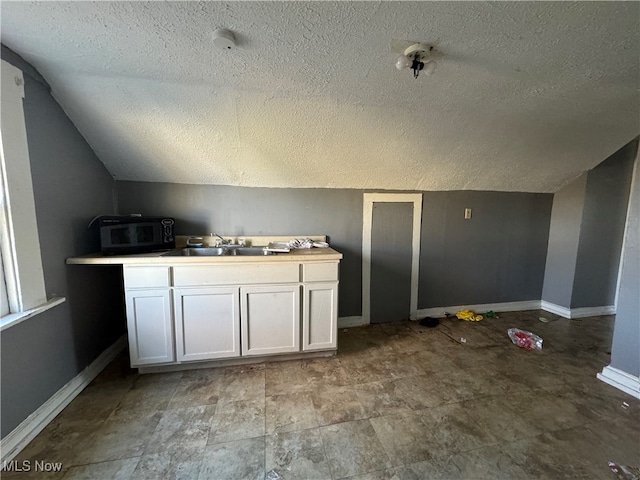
227 242
222 241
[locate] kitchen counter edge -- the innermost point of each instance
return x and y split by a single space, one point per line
297 255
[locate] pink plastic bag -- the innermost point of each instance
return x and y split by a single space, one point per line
523 339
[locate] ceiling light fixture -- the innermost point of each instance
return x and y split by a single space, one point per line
416 58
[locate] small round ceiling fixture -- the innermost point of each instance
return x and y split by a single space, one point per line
416 57
224 39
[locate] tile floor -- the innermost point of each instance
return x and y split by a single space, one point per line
398 402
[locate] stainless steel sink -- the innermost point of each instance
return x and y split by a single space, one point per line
217 252
252 251
197 252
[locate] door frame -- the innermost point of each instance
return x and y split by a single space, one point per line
367 217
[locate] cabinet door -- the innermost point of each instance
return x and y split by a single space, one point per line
320 316
207 323
270 319
150 327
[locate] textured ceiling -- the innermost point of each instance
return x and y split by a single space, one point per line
526 95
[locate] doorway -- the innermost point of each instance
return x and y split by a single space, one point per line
390 256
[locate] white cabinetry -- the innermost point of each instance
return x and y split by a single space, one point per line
270 319
319 325
207 323
180 313
149 326
320 312
149 318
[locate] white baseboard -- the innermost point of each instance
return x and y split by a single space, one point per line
438 312
480 308
577 312
620 380
346 322
592 311
20 436
555 309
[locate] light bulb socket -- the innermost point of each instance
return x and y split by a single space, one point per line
421 49
416 57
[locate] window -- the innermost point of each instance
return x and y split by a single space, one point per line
4 297
23 289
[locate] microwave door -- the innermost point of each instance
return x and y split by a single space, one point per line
146 234
130 236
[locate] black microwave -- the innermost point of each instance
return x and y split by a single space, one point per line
126 234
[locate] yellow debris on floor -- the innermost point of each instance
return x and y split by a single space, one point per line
469 315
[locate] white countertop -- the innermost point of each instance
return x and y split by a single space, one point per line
296 255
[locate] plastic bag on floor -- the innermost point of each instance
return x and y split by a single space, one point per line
526 340
624 472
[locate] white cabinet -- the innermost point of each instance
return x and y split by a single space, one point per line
270 319
150 327
149 316
319 316
207 322
235 274
147 277
180 313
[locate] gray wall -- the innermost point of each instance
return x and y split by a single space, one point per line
625 350
585 238
71 185
603 220
564 237
201 209
498 256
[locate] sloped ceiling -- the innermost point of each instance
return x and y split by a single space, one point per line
527 95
